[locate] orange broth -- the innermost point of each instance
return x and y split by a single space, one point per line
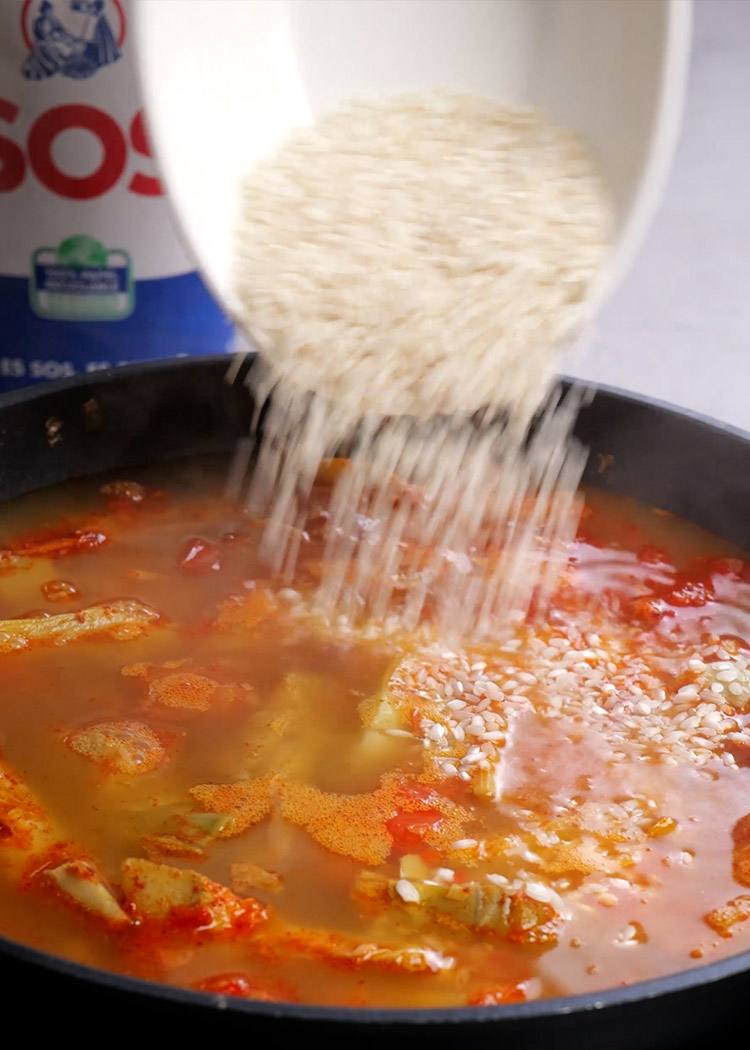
203 784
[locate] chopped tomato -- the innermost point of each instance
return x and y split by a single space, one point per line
431 856
199 556
690 592
245 986
407 829
648 610
735 567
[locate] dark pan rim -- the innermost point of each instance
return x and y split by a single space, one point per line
538 1009
587 1002
111 375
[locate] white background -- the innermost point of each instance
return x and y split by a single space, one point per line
678 328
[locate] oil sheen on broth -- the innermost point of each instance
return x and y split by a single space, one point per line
203 784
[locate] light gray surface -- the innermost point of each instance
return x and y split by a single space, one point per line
678 328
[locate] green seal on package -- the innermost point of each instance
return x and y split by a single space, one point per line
81 280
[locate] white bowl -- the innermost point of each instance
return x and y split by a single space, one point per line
224 81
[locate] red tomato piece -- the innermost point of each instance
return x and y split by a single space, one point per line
407 829
422 793
690 593
735 567
199 556
245 986
647 610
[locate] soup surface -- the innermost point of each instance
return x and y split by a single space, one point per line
202 783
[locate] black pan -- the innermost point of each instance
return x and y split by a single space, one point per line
155 412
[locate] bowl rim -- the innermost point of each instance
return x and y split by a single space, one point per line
673 35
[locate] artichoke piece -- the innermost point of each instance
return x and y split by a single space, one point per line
186 834
382 715
382 739
483 784
79 882
26 829
172 846
487 908
120 620
29 835
208 825
412 866
163 893
248 877
156 890
344 951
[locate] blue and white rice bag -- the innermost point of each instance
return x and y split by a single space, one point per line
92 270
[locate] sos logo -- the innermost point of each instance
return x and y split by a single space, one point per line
73 39
38 156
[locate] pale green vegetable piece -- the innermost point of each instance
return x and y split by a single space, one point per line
382 741
379 752
209 824
121 620
385 716
413 867
483 783
156 890
335 948
81 883
481 906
